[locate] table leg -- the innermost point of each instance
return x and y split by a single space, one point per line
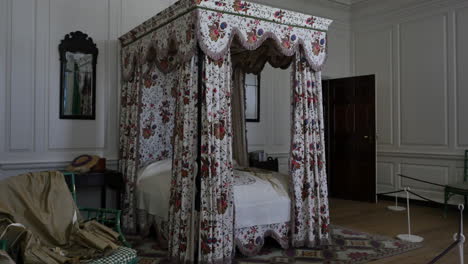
119 205
103 196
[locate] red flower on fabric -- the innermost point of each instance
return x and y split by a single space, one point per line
241 6
217 30
222 205
205 248
148 82
148 132
252 36
310 20
220 130
279 14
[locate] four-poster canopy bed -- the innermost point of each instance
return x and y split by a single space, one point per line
180 73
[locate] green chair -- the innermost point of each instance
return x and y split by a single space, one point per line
3 245
108 217
460 188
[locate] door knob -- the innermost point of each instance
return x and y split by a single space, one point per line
366 137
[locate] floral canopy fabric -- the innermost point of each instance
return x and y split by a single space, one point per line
176 102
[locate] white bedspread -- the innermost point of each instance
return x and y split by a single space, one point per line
260 199
264 202
153 188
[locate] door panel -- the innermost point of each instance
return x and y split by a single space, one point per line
350 133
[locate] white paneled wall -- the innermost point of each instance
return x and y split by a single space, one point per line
272 133
417 50
32 137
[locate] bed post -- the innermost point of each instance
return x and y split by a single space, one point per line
201 57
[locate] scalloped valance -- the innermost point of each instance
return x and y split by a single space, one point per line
171 37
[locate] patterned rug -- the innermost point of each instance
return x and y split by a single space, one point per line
347 247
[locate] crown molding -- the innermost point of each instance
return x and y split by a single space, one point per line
375 12
337 10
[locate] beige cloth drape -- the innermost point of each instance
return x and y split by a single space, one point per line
239 139
5 259
42 202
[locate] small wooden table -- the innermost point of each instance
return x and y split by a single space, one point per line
107 179
269 164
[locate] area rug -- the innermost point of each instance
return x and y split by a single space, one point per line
347 246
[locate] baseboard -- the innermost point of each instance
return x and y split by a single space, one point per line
402 202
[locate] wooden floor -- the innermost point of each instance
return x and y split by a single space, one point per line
376 219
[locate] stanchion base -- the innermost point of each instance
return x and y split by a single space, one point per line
396 208
410 238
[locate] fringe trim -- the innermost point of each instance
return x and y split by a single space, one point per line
154 53
253 46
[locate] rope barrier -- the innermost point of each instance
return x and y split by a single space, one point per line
390 192
459 237
447 250
422 197
414 179
459 241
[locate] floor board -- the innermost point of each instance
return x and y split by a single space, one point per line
426 222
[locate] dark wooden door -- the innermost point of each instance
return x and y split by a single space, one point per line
349 111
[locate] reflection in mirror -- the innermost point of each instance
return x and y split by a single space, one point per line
77 94
78 57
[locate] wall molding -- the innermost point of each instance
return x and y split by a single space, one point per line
458 72
5 27
398 11
46 165
421 155
23 77
402 141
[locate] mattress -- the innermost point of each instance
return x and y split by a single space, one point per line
259 198
153 188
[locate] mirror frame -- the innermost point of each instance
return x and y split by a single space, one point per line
257 119
77 42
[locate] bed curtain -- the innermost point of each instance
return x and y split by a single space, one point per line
239 137
129 138
182 216
216 212
307 158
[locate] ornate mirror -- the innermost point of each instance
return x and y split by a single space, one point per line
78 59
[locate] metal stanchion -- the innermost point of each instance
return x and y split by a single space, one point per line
460 237
396 207
409 237
459 241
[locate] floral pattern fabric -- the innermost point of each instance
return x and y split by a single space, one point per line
157 110
129 135
250 240
171 37
166 48
307 159
216 212
182 217
216 31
